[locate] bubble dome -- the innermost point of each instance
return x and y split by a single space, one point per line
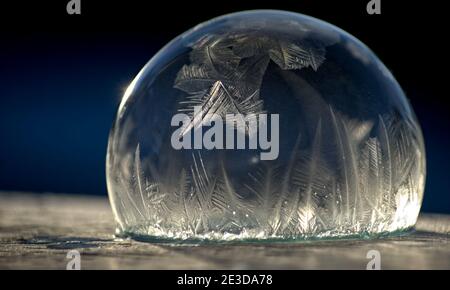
264 124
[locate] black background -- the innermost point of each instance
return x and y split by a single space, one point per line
62 76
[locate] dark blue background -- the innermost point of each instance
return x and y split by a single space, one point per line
61 79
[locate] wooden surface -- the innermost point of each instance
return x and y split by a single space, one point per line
37 231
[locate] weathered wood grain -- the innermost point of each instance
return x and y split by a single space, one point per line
37 231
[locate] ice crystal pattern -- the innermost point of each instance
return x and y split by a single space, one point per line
352 160
226 72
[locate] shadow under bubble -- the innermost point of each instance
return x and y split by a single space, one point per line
62 243
300 240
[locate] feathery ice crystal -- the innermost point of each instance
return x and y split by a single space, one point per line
348 154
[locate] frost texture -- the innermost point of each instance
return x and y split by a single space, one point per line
226 72
373 191
348 169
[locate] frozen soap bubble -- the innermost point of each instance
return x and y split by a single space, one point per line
265 124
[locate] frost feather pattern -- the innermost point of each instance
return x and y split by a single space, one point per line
226 73
311 199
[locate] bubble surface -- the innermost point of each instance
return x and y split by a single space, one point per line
265 124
